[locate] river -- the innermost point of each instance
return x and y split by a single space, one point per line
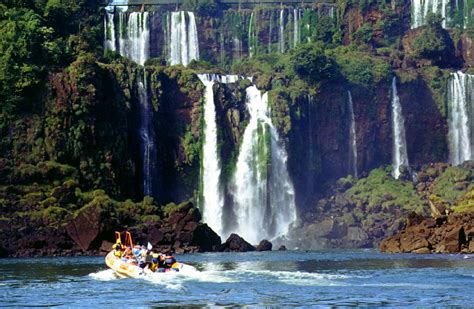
290 278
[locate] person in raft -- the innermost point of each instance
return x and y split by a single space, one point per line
118 249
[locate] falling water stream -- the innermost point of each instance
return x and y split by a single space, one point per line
460 100
399 153
263 192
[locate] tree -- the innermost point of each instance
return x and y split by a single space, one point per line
310 62
20 50
434 42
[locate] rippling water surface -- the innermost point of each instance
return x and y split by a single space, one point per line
325 278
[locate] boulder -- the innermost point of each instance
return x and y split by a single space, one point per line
235 243
282 248
264 245
391 244
205 238
85 228
106 246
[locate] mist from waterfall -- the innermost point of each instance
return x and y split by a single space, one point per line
264 197
461 107
353 138
399 152
183 38
421 8
213 199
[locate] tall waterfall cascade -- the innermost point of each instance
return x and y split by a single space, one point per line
353 137
461 107
296 26
281 36
213 199
421 8
264 197
133 35
147 138
399 150
183 38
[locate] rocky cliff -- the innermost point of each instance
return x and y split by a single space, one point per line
328 71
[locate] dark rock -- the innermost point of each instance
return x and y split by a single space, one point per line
264 245
106 246
85 227
282 248
446 234
205 238
235 243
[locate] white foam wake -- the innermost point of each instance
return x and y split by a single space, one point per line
104 275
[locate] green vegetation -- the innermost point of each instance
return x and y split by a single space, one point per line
434 42
310 63
451 185
381 192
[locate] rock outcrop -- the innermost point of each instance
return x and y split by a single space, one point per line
235 243
264 245
445 234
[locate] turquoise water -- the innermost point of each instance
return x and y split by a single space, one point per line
326 278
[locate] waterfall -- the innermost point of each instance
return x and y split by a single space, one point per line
399 153
184 44
252 37
281 40
147 137
213 200
421 8
353 137
263 192
109 29
296 34
133 36
461 100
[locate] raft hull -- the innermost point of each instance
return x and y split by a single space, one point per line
124 269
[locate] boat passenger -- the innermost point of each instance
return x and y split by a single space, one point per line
118 249
128 255
155 262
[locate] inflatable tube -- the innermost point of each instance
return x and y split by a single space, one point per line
125 269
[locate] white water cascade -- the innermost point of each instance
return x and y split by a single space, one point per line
281 34
461 104
399 152
183 38
264 198
213 200
147 137
353 137
109 29
421 8
296 27
133 35
252 36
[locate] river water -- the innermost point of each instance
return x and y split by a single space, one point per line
291 278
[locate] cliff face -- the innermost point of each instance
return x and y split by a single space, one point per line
108 123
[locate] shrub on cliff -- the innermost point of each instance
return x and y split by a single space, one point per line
310 63
434 42
381 192
359 67
201 7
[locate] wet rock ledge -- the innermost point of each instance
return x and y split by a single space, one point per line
452 233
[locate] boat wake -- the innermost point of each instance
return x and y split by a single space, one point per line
299 278
104 275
